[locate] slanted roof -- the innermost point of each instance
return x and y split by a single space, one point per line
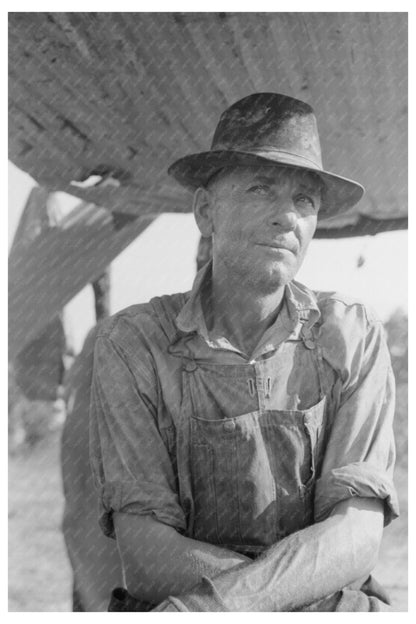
122 95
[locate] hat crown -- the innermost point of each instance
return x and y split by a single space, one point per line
268 129
270 122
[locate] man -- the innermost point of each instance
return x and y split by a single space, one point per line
241 434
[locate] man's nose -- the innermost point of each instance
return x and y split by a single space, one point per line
284 216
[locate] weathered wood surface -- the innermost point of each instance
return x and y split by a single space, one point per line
53 263
125 94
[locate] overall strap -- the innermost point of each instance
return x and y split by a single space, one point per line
309 335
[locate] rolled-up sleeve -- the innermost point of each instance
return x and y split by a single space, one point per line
360 453
131 465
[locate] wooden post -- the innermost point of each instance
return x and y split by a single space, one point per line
101 288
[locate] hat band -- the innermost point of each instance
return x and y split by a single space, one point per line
286 157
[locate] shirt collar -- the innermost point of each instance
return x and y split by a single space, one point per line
191 318
302 303
300 308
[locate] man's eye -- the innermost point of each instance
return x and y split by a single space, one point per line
259 189
305 200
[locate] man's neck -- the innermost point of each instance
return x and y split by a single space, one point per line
239 311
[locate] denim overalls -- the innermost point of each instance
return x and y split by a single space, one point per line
247 459
249 439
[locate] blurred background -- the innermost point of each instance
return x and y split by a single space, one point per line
95 224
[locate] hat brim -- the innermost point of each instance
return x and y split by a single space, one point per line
339 193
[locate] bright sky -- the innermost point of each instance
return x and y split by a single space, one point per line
162 260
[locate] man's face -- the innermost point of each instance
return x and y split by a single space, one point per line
262 220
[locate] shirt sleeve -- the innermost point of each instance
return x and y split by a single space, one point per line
130 462
360 452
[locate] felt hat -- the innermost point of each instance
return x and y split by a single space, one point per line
268 128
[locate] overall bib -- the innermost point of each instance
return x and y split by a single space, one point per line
246 476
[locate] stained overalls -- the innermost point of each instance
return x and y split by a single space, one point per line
250 439
247 456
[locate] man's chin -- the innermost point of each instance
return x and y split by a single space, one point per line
281 271
272 276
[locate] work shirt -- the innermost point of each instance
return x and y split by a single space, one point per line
239 449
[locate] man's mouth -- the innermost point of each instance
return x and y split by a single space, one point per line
278 246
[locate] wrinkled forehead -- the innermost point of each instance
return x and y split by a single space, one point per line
270 174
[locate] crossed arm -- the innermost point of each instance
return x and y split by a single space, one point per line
302 568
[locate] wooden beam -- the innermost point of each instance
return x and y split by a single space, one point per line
47 272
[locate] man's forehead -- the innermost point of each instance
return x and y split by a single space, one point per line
272 174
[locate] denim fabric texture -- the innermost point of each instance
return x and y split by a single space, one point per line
239 449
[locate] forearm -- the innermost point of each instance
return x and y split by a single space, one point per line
301 569
184 566
159 562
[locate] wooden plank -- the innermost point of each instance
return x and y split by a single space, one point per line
138 91
47 272
364 226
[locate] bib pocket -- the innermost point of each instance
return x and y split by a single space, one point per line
253 475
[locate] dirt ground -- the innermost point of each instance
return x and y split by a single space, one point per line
39 572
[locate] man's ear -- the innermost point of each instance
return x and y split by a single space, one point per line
202 207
